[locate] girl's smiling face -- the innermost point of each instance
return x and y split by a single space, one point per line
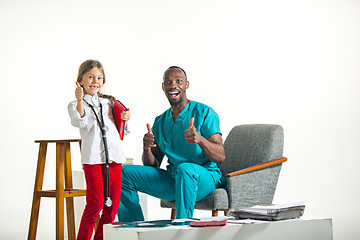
92 81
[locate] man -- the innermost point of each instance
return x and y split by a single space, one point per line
188 134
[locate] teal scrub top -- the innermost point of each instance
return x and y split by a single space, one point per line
169 136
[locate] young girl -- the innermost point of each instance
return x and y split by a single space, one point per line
90 110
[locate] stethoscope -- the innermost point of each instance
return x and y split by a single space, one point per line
104 129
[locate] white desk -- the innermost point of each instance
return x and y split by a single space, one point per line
296 229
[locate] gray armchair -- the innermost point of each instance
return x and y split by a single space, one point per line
253 159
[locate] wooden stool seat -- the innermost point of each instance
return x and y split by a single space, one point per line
62 191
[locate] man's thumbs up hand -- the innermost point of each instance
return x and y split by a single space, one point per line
192 122
149 128
148 139
191 135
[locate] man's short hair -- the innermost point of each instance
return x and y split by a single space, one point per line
172 67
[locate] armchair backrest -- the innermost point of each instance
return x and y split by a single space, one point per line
248 145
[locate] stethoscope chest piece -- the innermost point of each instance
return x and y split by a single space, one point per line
108 202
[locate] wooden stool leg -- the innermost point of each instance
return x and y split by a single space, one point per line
60 161
38 186
69 200
215 213
173 213
97 223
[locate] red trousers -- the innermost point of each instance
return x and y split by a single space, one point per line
95 176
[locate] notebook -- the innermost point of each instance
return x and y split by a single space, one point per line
120 124
270 212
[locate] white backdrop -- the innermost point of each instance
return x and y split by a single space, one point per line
290 62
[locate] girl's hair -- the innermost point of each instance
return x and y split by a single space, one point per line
86 67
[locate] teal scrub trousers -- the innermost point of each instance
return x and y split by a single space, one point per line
191 183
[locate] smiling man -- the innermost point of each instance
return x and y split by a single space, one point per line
188 134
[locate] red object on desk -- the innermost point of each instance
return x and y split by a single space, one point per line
208 223
120 124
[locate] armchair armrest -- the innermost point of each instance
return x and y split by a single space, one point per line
258 166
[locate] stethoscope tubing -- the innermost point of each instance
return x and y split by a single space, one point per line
103 133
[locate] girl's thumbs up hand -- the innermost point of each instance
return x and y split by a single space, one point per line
79 92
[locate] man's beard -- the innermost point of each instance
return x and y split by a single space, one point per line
178 102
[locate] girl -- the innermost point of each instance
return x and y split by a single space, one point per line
91 112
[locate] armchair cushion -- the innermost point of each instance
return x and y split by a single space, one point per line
216 200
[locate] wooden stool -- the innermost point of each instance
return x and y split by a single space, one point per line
63 173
